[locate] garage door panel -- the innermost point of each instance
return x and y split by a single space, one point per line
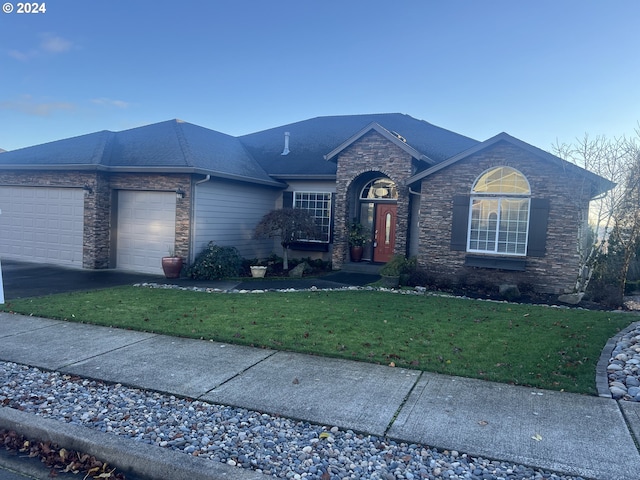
42 224
146 229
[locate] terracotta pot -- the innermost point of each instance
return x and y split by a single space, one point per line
356 253
172 266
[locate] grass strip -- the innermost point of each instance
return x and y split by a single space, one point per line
552 348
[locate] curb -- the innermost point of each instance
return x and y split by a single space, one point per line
602 379
127 455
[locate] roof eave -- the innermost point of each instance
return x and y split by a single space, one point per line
305 177
158 169
79 166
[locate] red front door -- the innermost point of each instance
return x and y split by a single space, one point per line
384 239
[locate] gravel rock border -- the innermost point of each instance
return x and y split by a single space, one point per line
272 445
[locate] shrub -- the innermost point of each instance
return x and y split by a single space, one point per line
215 262
420 277
400 266
631 288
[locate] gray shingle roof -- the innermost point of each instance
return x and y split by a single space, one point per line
177 146
83 150
166 146
311 139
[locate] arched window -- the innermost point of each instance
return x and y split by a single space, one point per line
499 212
379 189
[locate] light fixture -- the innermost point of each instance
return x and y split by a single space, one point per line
179 194
88 189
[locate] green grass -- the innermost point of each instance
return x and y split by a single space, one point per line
521 344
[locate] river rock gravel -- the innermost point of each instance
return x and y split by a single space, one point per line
273 445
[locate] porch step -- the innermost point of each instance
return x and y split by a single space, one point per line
362 267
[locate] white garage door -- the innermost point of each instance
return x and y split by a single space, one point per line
42 224
146 230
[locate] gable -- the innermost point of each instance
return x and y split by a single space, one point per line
511 149
374 151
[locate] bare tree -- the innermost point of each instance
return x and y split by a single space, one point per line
627 219
617 161
290 225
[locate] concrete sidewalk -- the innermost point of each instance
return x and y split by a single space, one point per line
566 433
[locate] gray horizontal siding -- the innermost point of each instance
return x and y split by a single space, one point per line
227 213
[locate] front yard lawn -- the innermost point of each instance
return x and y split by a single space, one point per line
552 348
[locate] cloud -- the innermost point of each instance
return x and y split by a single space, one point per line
50 44
27 104
54 44
22 56
110 103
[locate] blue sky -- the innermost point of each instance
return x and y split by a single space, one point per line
540 70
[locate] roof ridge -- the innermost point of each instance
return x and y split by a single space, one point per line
105 149
183 142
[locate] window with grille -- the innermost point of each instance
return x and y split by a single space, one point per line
318 204
499 213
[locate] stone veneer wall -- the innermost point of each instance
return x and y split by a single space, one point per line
371 153
98 204
556 272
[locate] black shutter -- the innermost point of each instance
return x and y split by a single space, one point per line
538 218
287 199
460 222
333 216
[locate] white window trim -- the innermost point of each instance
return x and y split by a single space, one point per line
499 198
304 192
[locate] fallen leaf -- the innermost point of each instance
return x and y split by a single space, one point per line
324 435
537 437
296 381
392 364
483 423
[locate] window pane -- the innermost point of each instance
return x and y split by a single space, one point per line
381 188
502 180
514 220
319 206
484 218
499 225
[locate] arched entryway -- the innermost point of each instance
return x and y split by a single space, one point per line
377 208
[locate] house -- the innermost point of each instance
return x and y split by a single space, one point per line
498 211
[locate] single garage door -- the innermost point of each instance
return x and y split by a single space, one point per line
146 230
42 224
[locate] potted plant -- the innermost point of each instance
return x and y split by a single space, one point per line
258 271
391 271
356 238
172 264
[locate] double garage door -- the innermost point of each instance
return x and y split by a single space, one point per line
46 225
42 224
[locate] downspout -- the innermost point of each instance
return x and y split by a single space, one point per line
409 239
204 180
193 223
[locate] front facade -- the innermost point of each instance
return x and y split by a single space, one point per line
498 211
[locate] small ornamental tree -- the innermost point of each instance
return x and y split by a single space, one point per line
290 225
